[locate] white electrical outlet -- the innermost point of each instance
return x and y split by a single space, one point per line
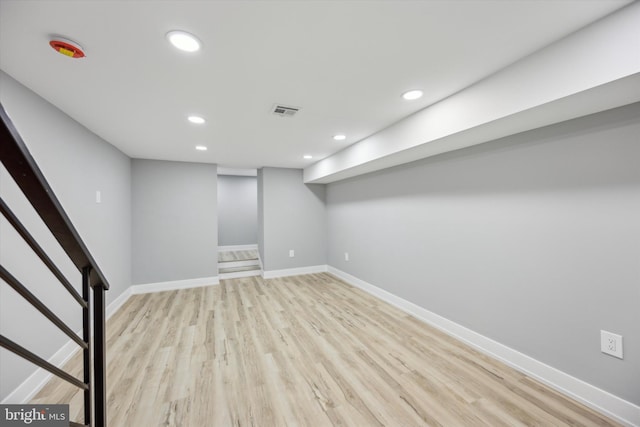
346 256
611 344
98 197
292 253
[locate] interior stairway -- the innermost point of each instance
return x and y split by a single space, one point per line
234 264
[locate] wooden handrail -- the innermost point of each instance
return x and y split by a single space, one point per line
25 172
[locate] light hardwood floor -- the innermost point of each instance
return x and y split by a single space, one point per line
303 351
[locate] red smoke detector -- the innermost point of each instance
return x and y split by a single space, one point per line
67 47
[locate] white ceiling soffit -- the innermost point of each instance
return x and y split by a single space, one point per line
237 171
592 70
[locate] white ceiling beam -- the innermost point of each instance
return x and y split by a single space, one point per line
237 171
594 69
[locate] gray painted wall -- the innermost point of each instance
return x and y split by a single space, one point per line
293 217
260 183
237 210
76 163
532 240
175 225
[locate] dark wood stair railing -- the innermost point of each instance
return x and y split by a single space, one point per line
22 167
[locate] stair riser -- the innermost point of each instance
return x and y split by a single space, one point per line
244 263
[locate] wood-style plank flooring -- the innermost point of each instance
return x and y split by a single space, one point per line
302 351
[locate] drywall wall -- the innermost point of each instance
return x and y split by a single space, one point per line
76 163
175 225
260 183
293 218
237 210
532 240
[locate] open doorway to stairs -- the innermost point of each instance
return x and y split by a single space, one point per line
238 223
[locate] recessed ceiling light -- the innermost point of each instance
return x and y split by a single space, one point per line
196 119
339 137
412 94
201 148
307 156
183 41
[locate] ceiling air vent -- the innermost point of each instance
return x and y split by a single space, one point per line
284 110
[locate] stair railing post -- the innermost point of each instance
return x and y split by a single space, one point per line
99 357
86 353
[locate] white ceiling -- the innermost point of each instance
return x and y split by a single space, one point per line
346 63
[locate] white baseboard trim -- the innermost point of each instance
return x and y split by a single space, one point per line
272 274
174 285
238 248
610 405
117 303
240 274
34 383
